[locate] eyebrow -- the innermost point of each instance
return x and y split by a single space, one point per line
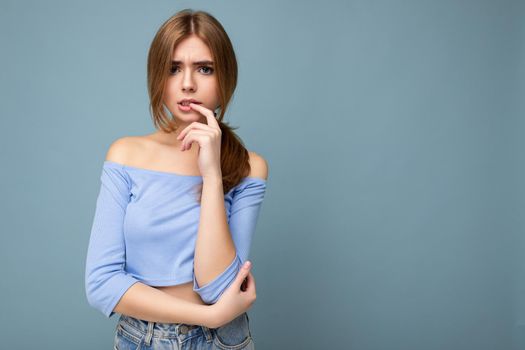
197 63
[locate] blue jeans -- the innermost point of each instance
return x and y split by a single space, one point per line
132 333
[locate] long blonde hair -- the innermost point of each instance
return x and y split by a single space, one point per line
234 156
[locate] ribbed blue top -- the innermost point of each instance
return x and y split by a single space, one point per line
145 227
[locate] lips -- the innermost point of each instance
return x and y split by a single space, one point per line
186 102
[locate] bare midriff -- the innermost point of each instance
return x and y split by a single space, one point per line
183 291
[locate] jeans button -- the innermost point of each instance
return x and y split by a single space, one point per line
183 329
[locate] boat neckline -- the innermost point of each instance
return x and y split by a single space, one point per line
169 173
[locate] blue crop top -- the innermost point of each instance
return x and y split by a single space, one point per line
145 227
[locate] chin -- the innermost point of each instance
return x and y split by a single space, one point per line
190 117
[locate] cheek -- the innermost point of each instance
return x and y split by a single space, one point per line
169 94
215 93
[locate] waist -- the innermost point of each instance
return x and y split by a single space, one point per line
137 328
183 291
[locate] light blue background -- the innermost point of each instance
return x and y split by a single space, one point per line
394 132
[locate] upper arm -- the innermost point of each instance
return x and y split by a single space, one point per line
258 165
105 278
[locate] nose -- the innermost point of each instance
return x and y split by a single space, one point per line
187 82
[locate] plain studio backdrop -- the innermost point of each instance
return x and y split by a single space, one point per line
394 134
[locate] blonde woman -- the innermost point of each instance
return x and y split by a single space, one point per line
177 208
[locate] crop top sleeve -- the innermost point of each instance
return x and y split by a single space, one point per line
244 212
105 278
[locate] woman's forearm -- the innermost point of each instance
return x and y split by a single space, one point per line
214 247
150 304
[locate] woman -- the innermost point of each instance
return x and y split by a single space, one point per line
177 208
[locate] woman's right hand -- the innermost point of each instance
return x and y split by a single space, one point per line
234 301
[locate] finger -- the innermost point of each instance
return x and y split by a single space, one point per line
194 125
241 275
194 136
250 286
207 132
210 117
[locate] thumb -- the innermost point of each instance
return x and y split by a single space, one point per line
243 272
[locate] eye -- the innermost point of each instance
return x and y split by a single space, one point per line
210 70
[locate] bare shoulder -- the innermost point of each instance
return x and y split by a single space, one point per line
121 150
258 165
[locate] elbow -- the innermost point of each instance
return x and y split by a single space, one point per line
104 290
97 294
94 293
211 292
90 287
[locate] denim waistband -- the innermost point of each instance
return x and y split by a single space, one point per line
152 329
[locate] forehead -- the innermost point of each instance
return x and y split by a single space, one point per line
191 48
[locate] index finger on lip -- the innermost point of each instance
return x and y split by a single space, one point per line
207 113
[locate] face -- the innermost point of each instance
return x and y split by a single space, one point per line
191 78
